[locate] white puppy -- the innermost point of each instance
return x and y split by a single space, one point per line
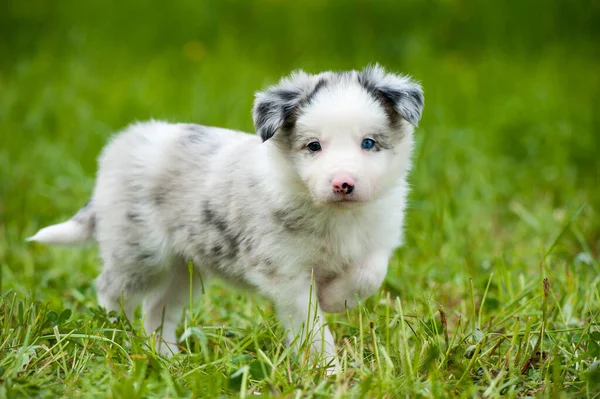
311 207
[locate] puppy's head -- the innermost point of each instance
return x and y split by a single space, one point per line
347 135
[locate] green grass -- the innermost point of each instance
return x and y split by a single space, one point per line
506 193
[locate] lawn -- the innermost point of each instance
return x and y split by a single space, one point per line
496 292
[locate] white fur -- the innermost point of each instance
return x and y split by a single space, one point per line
258 213
66 233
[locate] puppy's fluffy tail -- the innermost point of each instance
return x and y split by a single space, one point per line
77 230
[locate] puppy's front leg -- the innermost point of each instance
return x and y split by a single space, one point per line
301 315
363 279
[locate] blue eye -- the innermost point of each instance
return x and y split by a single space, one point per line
314 146
367 144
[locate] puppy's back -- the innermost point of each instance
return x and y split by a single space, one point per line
153 174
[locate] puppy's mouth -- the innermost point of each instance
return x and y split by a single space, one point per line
345 200
335 200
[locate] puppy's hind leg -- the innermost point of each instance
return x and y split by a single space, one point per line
114 286
125 276
163 307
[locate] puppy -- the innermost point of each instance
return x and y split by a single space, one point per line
309 208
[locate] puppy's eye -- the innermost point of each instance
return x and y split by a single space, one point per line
314 146
367 144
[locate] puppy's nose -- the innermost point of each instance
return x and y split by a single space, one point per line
342 184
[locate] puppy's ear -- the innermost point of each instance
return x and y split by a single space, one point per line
399 94
277 106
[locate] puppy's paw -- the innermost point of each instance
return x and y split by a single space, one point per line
335 296
332 306
323 363
334 368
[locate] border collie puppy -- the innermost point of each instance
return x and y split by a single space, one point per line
307 212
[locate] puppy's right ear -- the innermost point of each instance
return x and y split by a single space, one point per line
277 107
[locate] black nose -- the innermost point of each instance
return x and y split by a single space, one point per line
345 188
342 186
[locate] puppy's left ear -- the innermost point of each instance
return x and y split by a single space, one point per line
399 94
277 106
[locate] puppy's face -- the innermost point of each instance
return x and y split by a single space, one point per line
348 136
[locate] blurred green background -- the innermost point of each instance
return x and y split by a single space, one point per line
507 148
